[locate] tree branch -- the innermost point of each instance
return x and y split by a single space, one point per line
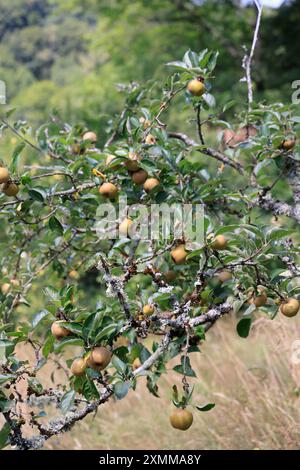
216 154
277 208
247 60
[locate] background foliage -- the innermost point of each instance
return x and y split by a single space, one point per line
70 54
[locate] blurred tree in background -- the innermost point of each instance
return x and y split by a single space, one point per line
68 55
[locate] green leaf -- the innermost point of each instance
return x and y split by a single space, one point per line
35 385
55 225
200 332
52 293
91 324
67 401
5 403
119 365
144 354
67 342
6 348
175 393
4 433
249 310
6 377
74 327
207 407
226 229
191 59
228 105
36 195
39 317
255 230
278 234
161 296
48 346
152 383
15 156
195 253
243 327
185 367
178 65
89 390
212 61
237 305
209 100
106 332
121 389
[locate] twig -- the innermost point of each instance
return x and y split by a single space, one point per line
207 151
247 60
199 125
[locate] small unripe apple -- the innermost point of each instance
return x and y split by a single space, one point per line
139 177
78 367
288 144
14 282
290 307
136 363
73 274
125 226
260 299
76 149
146 123
224 276
196 87
132 163
179 254
59 331
5 288
100 358
11 189
219 243
108 190
150 184
148 309
90 136
4 175
150 139
181 419
170 276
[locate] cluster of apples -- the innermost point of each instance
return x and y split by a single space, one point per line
179 253
139 176
98 359
6 286
9 188
289 307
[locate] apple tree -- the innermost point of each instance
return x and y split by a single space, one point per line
248 184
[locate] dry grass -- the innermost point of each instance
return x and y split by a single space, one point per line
252 381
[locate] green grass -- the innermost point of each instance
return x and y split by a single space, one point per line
255 386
